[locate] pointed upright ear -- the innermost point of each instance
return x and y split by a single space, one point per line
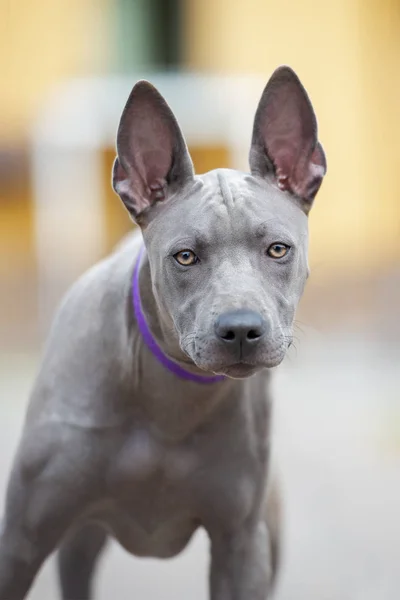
285 145
152 157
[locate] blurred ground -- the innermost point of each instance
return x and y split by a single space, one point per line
337 430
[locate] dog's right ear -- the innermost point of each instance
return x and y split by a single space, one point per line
152 157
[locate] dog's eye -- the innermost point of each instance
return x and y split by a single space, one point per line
278 250
186 258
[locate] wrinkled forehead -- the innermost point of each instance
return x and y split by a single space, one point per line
226 206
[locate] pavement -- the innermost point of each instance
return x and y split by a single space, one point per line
337 444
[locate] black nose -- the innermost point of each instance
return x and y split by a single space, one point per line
240 328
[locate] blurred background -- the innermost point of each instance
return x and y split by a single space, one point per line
67 69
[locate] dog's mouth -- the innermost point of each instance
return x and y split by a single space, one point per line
213 359
240 370
243 369
237 370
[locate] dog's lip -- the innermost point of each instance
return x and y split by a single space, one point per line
222 366
245 367
240 370
225 369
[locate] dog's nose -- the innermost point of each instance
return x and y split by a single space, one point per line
240 328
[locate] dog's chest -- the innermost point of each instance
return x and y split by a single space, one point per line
142 458
161 489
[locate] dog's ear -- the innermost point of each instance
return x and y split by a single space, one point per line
285 144
152 157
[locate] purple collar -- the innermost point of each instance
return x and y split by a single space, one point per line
151 342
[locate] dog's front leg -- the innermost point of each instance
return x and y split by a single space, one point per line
47 491
241 564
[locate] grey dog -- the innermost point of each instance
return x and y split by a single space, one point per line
150 416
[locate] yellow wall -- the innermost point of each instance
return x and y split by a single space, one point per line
347 53
43 41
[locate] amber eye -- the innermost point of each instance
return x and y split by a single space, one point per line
186 258
278 250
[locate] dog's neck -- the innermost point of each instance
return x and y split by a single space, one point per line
189 404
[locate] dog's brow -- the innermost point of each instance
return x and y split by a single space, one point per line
273 226
192 235
263 227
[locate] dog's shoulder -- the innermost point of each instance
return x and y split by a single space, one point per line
102 286
93 311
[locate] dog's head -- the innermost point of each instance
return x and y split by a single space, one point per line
227 250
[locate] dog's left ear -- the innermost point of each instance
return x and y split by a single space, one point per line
152 157
285 144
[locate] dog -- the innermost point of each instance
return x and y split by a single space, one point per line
150 415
